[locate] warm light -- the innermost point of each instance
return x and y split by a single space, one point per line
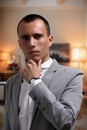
79 54
4 60
4 56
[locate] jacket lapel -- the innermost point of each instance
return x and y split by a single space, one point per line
50 72
47 79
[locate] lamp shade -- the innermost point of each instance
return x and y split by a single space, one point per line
79 54
4 56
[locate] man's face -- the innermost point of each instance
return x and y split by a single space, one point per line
34 41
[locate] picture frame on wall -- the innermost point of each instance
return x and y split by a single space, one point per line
61 52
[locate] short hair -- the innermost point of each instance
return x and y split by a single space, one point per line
32 17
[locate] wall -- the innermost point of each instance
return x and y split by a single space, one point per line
66 25
85 67
86 27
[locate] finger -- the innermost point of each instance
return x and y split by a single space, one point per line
32 62
28 66
39 63
25 74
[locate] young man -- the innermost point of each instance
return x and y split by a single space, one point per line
45 95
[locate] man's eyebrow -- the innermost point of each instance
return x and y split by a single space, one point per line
39 34
27 35
24 35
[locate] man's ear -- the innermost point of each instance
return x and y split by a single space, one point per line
50 40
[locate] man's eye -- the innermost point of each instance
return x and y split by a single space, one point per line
37 36
25 38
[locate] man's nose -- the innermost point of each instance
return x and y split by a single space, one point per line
32 41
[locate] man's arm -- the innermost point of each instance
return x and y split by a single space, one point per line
61 112
60 101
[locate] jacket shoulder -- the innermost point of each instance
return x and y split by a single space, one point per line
14 78
72 69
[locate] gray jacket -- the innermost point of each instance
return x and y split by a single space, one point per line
57 99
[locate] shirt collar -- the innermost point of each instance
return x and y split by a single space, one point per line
46 64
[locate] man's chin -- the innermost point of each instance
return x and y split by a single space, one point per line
35 59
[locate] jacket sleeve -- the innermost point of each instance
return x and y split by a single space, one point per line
60 106
6 125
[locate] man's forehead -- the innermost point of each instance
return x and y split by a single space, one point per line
33 21
36 26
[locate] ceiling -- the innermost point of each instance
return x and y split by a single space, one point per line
45 3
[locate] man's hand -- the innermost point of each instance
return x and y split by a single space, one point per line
32 70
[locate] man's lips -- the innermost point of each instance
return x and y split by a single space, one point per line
33 52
